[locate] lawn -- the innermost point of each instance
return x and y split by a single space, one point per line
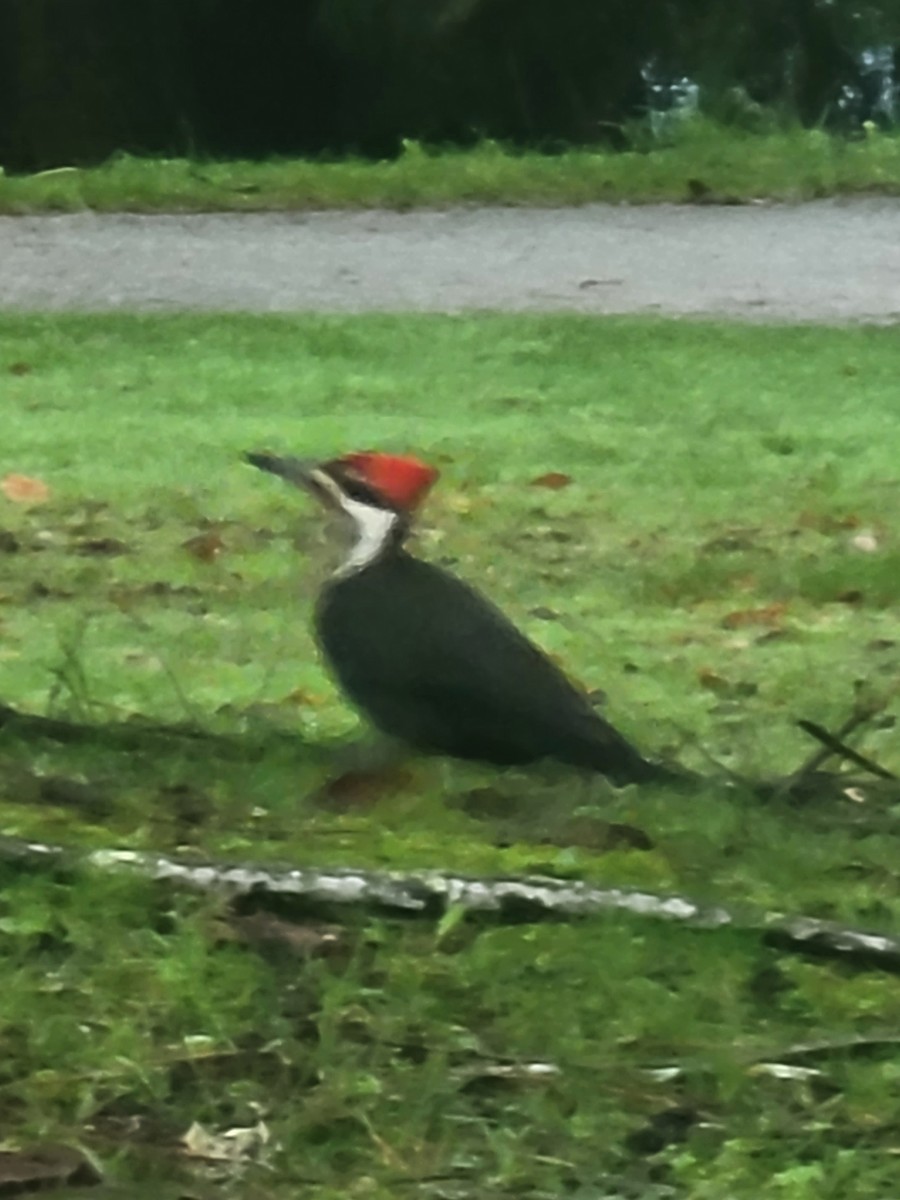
697 519
703 163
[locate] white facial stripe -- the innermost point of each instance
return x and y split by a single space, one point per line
373 527
327 484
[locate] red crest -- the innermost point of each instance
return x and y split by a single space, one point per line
402 480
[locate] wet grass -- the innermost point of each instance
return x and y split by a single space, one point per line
719 556
704 163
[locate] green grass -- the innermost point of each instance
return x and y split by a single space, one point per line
700 567
706 163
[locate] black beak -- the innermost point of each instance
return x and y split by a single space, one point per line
303 473
298 471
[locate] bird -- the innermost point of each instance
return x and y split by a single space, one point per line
426 657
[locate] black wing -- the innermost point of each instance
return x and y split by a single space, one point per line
435 664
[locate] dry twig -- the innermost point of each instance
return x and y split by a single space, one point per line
431 894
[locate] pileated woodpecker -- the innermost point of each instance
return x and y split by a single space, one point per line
428 659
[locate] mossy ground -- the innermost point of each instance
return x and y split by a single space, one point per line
702 162
719 556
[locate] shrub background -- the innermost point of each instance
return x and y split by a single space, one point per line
81 79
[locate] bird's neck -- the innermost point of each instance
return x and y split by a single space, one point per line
375 532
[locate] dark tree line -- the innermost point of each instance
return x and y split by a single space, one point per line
80 79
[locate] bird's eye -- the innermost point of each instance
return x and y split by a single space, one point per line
357 489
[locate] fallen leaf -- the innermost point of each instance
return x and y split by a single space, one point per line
44 1166
590 833
731 542
747 583
103 545
204 546
488 804
734 689
770 614
554 480
304 699
865 541
526 1072
310 940
777 1070
161 587
22 489
542 613
456 502
712 680
779 445
360 789
827 522
232 1145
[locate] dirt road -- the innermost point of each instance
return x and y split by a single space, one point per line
829 260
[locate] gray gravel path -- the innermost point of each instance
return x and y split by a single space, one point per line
826 261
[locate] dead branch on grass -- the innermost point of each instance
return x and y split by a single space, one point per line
834 745
431 894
